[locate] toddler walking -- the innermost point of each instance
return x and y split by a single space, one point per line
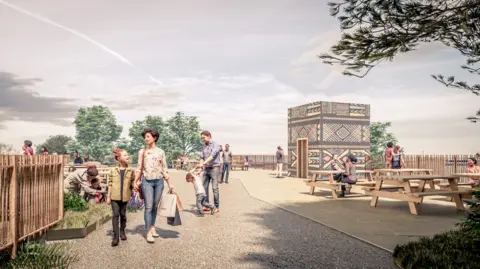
199 192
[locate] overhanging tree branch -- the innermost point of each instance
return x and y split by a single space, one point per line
379 30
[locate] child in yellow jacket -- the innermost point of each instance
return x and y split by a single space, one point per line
120 184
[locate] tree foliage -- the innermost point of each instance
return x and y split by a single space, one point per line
178 134
96 124
6 148
96 132
183 134
379 137
55 143
135 132
378 30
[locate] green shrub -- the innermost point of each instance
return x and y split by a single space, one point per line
449 250
40 256
457 249
472 221
74 202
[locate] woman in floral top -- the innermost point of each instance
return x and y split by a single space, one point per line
151 172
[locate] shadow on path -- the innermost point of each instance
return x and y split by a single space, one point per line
296 242
140 230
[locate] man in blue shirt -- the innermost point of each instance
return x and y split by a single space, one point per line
211 164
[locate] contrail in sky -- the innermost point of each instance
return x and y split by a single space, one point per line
103 47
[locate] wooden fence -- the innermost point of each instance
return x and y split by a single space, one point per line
441 164
31 196
259 161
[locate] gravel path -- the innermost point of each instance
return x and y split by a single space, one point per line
247 233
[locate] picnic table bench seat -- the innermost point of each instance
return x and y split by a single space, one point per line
383 188
331 184
442 193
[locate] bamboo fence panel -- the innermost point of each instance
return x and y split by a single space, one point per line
31 196
440 164
259 161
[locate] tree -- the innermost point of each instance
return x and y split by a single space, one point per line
55 143
96 131
183 135
135 134
74 146
6 148
178 134
379 137
378 30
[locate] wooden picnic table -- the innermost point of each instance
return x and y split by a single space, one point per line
414 196
330 184
408 171
469 175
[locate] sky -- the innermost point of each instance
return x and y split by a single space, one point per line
237 65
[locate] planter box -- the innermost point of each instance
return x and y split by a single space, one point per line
76 233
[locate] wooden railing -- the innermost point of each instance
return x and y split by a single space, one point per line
31 196
259 161
441 164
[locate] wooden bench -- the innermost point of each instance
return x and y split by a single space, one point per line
462 185
441 193
383 188
331 184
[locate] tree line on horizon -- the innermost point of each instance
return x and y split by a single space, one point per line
97 133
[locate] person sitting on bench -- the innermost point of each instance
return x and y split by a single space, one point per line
349 176
335 167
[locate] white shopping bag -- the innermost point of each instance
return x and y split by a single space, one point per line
168 205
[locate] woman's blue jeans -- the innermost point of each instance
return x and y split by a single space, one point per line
152 194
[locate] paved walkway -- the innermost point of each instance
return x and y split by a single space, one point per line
387 225
247 233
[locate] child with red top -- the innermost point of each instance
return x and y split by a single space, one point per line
27 147
389 155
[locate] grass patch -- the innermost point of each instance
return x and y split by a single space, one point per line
39 256
73 219
74 202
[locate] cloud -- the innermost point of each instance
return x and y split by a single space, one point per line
143 97
316 46
20 103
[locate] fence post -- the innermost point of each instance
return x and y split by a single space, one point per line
455 164
13 206
60 158
418 162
